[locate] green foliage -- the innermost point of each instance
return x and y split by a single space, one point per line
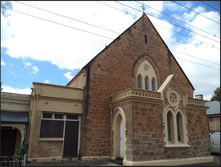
216 96
17 156
19 151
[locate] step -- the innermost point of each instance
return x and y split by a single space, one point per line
117 162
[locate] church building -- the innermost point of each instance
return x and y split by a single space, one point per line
132 101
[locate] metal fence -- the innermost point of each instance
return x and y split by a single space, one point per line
13 160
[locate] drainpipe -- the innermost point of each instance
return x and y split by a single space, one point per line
32 123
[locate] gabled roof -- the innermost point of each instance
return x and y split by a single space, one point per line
102 51
143 15
168 80
214 107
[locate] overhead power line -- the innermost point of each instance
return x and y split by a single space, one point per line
211 6
174 18
102 27
198 63
167 28
57 23
84 31
165 20
66 17
187 36
178 20
196 12
194 57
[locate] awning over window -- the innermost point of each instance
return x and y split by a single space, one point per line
14 117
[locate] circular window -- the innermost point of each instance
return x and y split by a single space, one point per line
146 68
173 98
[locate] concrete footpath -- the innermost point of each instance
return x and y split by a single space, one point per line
108 163
74 163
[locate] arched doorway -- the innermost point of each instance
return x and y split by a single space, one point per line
119 138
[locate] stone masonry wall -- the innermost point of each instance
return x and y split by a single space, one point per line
44 149
111 72
145 138
79 80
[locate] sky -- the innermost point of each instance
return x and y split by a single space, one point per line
59 38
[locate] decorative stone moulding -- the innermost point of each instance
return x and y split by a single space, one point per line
196 102
15 103
173 97
136 93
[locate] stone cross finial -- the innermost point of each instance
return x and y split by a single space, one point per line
143 7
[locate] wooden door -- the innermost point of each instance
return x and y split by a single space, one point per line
71 139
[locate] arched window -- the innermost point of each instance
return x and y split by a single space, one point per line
139 82
145 69
146 83
179 126
169 125
175 128
153 84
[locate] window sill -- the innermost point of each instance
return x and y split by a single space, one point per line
177 146
50 139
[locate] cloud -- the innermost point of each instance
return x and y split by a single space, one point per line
35 69
7 88
79 47
46 81
68 75
166 33
27 64
174 7
14 74
3 63
158 5
6 32
204 79
6 4
72 49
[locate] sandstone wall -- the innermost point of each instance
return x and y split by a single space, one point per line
145 138
43 149
111 72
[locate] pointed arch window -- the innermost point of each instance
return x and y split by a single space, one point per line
139 82
145 74
169 126
146 83
175 129
179 127
153 84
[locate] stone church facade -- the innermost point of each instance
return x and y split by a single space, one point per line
135 91
134 102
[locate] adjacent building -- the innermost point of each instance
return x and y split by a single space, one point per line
15 110
213 115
